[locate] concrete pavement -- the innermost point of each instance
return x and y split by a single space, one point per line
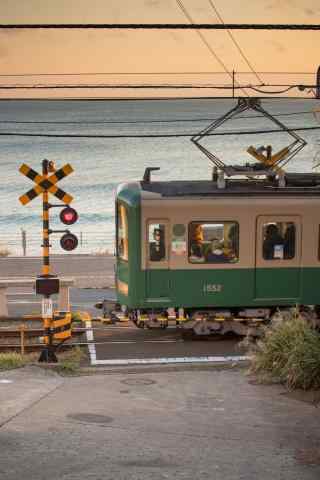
204 424
22 388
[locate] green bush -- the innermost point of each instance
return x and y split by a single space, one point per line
289 353
12 360
70 362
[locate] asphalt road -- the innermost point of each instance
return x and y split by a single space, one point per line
126 341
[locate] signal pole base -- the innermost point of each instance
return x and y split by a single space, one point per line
48 356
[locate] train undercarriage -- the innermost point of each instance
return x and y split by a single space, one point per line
205 322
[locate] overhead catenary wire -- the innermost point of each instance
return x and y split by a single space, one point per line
146 121
162 26
154 135
285 87
207 44
119 86
235 42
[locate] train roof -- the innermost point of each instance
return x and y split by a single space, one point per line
296 184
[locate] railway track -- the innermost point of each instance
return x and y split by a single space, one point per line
26 334
122 343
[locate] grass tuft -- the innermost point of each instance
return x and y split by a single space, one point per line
70 362
289 353
11 360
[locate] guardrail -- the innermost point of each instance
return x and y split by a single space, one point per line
27 334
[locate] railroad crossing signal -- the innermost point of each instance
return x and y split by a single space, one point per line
56 326
44 183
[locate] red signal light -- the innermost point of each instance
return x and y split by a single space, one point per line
68 216
68 242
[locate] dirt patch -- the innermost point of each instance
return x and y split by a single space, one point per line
311 396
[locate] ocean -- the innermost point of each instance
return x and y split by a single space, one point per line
100 164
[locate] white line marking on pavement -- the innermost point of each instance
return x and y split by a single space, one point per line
170 360
125 342
91 346
4 380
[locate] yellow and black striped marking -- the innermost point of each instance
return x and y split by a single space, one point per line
60 327
46 242
46 184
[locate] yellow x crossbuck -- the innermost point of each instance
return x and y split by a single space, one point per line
45 184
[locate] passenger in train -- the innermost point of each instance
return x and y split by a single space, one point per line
197 240
232 244
216 253
157 247
272 239
289 242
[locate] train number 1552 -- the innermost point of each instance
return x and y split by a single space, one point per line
212 288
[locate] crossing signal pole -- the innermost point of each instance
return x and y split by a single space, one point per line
57 325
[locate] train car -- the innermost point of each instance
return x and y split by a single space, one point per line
217 257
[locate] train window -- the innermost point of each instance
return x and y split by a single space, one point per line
279 240
156 242
122 232
213 242
179 239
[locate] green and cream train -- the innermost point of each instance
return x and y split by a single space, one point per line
217 258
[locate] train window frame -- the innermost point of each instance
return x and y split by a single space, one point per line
122 256
279 253
234 261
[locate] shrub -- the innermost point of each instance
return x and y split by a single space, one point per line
10 360
69 362
4 252
289 353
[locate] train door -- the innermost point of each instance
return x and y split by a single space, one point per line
278 258
157 255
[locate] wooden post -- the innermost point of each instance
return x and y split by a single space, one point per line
22 338
3 301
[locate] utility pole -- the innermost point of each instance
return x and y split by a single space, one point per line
24 241
233 82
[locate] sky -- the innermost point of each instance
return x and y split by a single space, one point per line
125 51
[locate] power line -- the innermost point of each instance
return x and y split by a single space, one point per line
147 121
162 26
155 135
245 58
118 86
144 73
284 87
206 43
